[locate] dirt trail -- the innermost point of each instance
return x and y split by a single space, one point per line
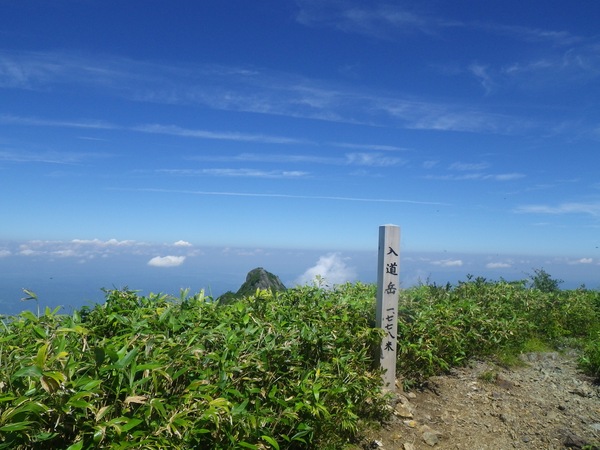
546 404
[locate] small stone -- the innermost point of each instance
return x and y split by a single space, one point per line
403 412
411 423
408 446
431 438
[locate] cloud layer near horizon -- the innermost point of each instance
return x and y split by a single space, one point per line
332 268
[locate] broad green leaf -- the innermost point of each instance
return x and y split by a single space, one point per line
239 409
18 426
40 331
29 316
82 404
30 371
157 404
271 441
76 446
127 359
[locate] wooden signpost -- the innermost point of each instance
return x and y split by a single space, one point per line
388 285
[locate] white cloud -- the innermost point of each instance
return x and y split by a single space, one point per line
182 243
563 208
507 176
497 265
380 21
373 160
66 253
482 74
478 176
448 263
372 147
332 268
174 130
166 261
581 261
100 243
4 253
252 173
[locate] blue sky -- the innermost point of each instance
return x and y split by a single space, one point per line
304 125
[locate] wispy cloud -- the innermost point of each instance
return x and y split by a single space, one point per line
471 172
385 20
581 63
478 177
528 34
108 243
430 164
376 19
290 196
580 261
238 89
47 157
271 158
204 134
250 173
371 147
7 119
171 130
481 73
371 159
592 209
497 265
85 250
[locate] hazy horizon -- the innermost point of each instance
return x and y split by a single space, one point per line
73 273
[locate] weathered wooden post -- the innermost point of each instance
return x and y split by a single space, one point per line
388 285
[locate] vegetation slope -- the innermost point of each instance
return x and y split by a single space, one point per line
291 369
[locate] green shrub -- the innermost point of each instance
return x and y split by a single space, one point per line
291 370
590 360
444 326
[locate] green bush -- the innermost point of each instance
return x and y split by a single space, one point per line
444 326
292 370
590 360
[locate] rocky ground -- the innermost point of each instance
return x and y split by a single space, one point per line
544 404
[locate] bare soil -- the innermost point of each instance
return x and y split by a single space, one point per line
545 403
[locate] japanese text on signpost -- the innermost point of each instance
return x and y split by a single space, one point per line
387 299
